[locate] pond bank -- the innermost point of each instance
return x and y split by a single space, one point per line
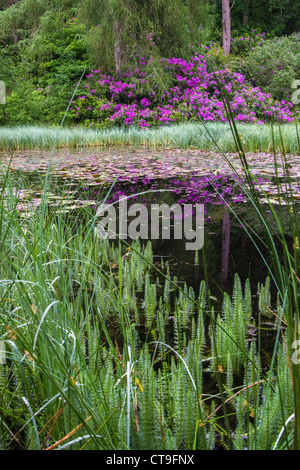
204 136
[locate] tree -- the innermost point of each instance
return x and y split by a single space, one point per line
276 17
246 13
123 31
226 22
115 37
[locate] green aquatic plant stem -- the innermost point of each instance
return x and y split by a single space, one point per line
284 274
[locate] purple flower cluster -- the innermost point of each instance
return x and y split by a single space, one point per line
11 40
210 190
195 94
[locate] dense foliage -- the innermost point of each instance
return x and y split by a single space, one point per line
276 17
147 64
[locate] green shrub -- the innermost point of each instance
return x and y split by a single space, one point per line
29 104
47 70
23 105
273 66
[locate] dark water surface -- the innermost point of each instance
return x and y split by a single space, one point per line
227 215
78 179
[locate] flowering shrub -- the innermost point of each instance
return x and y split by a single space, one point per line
154 92
248 42
240 48
194 94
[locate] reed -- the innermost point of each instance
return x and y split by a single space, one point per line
255 138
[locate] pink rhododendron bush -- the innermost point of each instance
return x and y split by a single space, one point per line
194 94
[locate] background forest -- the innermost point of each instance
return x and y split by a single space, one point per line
47 45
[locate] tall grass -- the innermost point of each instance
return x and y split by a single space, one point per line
255 137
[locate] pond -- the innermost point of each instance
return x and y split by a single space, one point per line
81 178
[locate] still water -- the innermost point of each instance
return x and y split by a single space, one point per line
76 180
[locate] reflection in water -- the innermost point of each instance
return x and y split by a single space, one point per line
225 250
